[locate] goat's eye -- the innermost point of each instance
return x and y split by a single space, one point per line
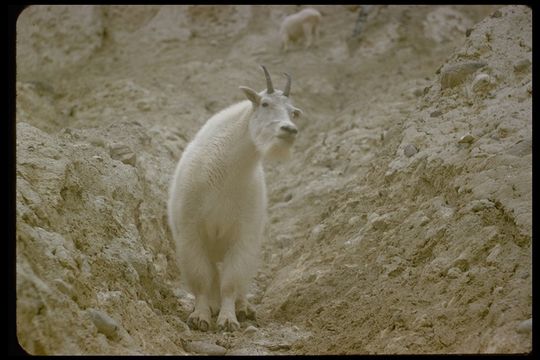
264 104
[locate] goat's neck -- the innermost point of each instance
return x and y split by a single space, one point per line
244 155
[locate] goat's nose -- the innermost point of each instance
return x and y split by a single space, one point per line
290 129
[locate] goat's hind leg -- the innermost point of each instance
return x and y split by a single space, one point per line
244 310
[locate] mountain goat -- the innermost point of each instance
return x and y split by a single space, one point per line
217 201
304 23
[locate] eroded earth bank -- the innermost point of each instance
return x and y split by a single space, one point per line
402 224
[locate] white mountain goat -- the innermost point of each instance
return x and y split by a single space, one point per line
304 23
217 201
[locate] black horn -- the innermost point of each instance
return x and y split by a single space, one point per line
288 85
269 86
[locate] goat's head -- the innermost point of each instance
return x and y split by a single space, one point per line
271 126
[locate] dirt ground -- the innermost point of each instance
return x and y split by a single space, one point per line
402 224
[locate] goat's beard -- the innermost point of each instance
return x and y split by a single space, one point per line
277 149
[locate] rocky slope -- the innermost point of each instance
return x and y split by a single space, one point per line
403 224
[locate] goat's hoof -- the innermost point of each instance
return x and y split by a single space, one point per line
198 322
246 314
241 315
227 324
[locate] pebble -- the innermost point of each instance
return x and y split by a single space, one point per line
143 105
104 323
522 65
466 139
524 326
481 82
478 309
496 14
317 230
202 347
65 288
461 263
436 113
492 257
497 291
454 75
123 153
250 330
97 141
379 222
453 273
478 205
409 150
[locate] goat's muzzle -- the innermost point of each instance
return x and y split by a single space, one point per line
287 133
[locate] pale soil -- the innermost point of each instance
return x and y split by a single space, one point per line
387 233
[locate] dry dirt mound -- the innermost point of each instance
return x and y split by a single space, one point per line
402 225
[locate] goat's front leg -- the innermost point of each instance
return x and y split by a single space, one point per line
307 34
239 265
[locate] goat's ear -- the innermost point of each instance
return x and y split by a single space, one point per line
251 95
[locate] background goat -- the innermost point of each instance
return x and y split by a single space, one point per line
304 23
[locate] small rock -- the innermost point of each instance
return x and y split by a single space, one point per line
283 241
461 263
436 113
492 257
97 141
418 92
202 347
522 65
409 150
123 153
143 105
454 75
478 309
478 205
104 323
250 350
277 347
498 290
65 288
466 139
424 220
524 326
288 197
496 14
380 222
354 220
317 230
481 82
453 273
250 330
